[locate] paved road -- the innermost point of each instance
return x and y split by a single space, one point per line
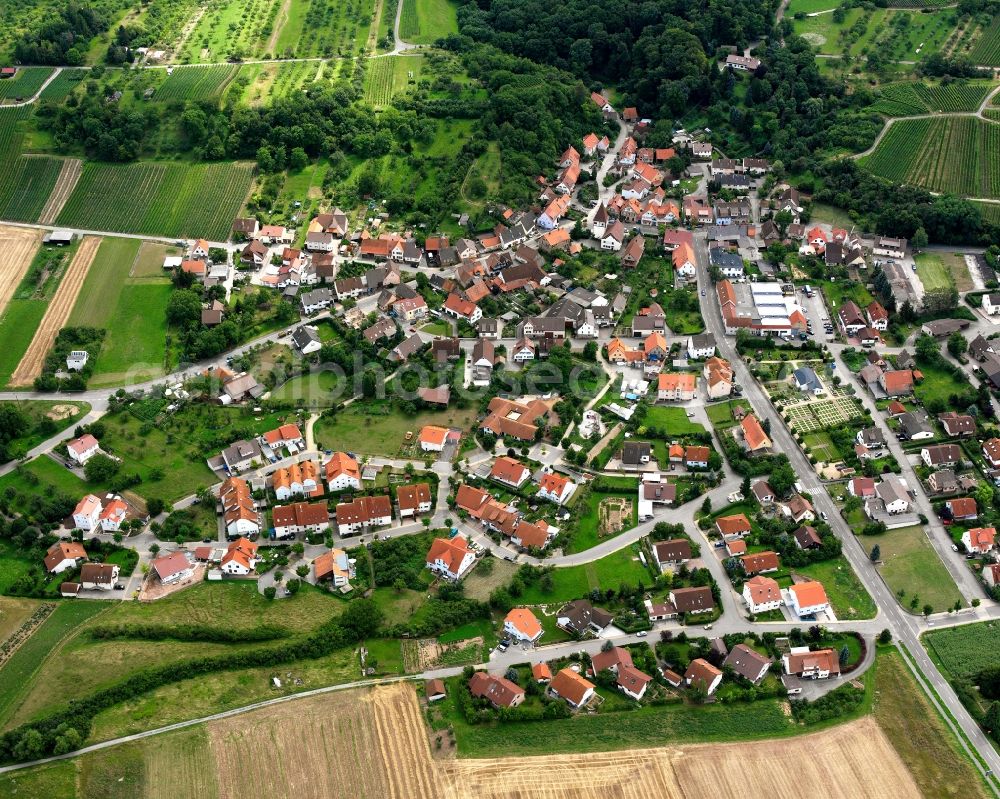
904 627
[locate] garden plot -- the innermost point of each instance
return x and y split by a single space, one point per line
820 414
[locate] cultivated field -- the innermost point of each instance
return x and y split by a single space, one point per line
56 315
378 746
986 49
25 185
959 155
157 198
196 83
25 83
904 99
19 246
69 174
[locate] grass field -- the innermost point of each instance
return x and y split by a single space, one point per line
943 271
37 412
314 28
43 474
184 471
231 29
672 421
96 301
164 199
917 733
18 675
14 611
574 582
378 433
910 564
134 348
18 324
898 34
426 21
958 155
937 384
56 780
80 665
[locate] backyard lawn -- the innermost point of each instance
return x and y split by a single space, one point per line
910 564
847 595
43 473
721 413
937 385
574 582
380 428
839 291
40 414
672 421
587 533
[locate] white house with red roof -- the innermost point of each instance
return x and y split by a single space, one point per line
522 625
461 308
64 555
979 540
450 557
172 568
113 514
806 599
433 438
342 472
555 488
288 436
240 558
87 514
82 449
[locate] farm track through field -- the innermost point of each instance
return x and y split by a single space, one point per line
68 176
279 23
18 246
56 314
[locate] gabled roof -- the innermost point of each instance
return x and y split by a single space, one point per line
809 594
571 686
524 621
451 551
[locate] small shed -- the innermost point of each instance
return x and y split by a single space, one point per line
435 690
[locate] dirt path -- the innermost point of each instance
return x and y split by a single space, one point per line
68 176
56 314
279 23
18 246
372 44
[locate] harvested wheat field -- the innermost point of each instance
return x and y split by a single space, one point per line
851 761
69 174
56 314
376 743
18 245
369 744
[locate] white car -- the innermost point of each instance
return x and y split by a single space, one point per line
641 634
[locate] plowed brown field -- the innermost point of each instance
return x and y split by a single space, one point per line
373 744
18 245
56 314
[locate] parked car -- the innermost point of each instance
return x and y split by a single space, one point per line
641 634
